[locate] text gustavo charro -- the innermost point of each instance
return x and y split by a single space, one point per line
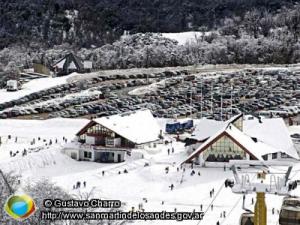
73 203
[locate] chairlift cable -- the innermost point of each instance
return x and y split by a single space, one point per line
218 192
234 206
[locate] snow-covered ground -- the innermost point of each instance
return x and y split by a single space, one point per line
185 37
34 86
150 182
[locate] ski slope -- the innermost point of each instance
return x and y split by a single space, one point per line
132 188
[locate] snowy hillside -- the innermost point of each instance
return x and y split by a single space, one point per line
44 160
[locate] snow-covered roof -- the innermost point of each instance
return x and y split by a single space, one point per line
272 136
273 132
61 64
72 66
69 61
255 148
205 128
137 126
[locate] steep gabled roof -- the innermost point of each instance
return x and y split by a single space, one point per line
86 127
137 126
69 60
253 147
205 128
273 132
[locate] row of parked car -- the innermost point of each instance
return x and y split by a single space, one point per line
59 104
79 85
216 96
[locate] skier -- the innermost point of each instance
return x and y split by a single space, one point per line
167 170
168 151
172 187
103 173
84 184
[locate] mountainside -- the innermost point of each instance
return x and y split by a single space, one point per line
86 22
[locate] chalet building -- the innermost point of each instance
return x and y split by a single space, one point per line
253 139
71 63
108 139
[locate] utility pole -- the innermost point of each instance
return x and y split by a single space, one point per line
222 103
211 99
231 88
201 103
191 109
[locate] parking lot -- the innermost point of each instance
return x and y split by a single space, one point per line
218 95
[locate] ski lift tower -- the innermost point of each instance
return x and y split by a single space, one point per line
277 185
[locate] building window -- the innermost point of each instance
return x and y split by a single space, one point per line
274 155
223 150
87 155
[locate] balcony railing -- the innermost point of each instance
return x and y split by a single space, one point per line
97 147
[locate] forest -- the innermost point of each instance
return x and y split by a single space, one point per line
236 31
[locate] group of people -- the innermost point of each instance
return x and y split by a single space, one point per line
25 152
78 185
125 171
193 173
172 149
